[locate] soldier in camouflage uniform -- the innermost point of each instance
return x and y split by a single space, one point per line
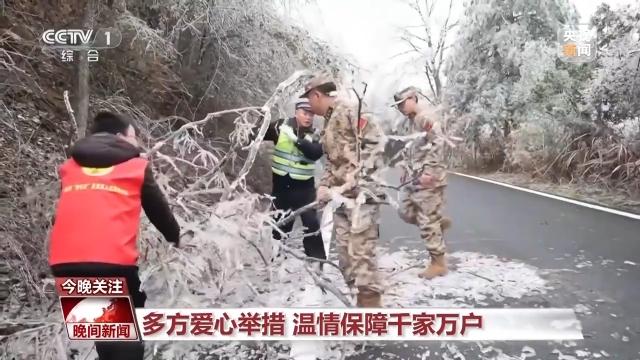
353 160
424 162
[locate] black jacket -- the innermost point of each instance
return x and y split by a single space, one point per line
104 150
311 150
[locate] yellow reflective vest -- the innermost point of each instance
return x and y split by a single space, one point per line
287 159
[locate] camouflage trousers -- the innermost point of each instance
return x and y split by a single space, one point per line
423 207
356 233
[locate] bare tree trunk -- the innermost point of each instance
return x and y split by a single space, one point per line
475 155
438 84
437 45
506 128
82 78
82 92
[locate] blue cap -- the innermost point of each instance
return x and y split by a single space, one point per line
303 104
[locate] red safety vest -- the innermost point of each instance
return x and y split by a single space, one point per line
98 214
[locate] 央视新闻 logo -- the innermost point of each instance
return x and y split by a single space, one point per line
577 43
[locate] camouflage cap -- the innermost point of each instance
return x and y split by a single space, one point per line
404 94
322 82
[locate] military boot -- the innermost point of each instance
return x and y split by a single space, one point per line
437 267
368 298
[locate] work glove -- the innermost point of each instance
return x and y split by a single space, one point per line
289 132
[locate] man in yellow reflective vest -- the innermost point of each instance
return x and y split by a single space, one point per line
297 148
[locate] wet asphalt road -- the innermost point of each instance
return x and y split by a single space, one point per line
580 252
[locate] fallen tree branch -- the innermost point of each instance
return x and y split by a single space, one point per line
294 214
194 124
255 246
325 285
253 289
266 110
21 329
476 275
305 258
405 269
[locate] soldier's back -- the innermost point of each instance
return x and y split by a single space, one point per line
338 131
350 142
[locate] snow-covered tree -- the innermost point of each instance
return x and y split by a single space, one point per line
617 77
504 71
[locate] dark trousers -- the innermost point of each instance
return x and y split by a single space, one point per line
110 350
293 198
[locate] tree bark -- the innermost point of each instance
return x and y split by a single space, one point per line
82 76
505 128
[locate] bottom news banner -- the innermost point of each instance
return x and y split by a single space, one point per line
101 309
358 324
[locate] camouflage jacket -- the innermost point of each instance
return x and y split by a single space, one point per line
426 155
353 149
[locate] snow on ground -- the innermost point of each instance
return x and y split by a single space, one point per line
475 280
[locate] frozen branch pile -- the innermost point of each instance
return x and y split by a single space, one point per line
180 62
226 248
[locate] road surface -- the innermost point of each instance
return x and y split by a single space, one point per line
589 260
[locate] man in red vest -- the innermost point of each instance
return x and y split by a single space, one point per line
105 185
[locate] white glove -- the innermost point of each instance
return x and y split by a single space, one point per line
287 130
